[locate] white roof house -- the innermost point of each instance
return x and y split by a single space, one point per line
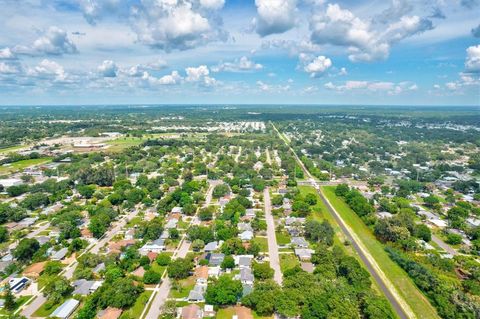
66 309
246 235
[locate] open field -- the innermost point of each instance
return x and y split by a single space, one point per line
138 307
16 166
403 284
11 149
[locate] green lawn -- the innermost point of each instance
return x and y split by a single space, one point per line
262 242
183 288
404 285
282 238
138 307
44 312
288 261
228 313
16 166
11 149
124 142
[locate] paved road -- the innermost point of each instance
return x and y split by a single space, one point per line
238 154
444 246
31 308
399 305
272 239
162 290
37 231
269 159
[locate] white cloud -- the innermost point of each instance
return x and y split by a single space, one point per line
9 68
274 16
200 74
54 41
472 62
343 71
390 88
212 4
341 27
239 65
170 79
6 54
175 24
48 69
108 69
318 66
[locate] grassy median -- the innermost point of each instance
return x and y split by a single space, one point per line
404 285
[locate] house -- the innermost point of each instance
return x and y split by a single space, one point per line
299 242
250 213
177 210
242 312
384 215
303 254
129 234
172 223
191 312
212 246
34 270
215 259
110 313
152 256
66 309
208 311
244 227
139 272
100 267
243 261
156 246
289 221
85 287
42 239
17 284
246 235
59 255
201 275
214 271
197 293
246 276
116 247
308 267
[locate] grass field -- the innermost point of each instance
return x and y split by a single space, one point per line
228 313
183 288
404 285
124 142
44 312
17 166
262 242
138 307
10 149
282 238
288 261
19 302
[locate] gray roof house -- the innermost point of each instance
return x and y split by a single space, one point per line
196 294
246 276
215 259
85 287
243 261
246 235
59 255
212 246
299 242
304 254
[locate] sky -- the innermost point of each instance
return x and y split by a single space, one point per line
385 52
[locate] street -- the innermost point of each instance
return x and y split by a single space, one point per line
272 239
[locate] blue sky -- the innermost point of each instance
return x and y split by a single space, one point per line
240 51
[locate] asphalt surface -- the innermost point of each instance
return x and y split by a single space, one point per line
272 239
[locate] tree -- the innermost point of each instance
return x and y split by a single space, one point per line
454 239
220 190
264 297
319 232
151 277
180 268
3 234
163 259
56 288
26 249
197 245
121 293
311 199
423 232
262 271
277 200
10 302
206 213
301 208
224 291
86 191
52 268
342 190
228 262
